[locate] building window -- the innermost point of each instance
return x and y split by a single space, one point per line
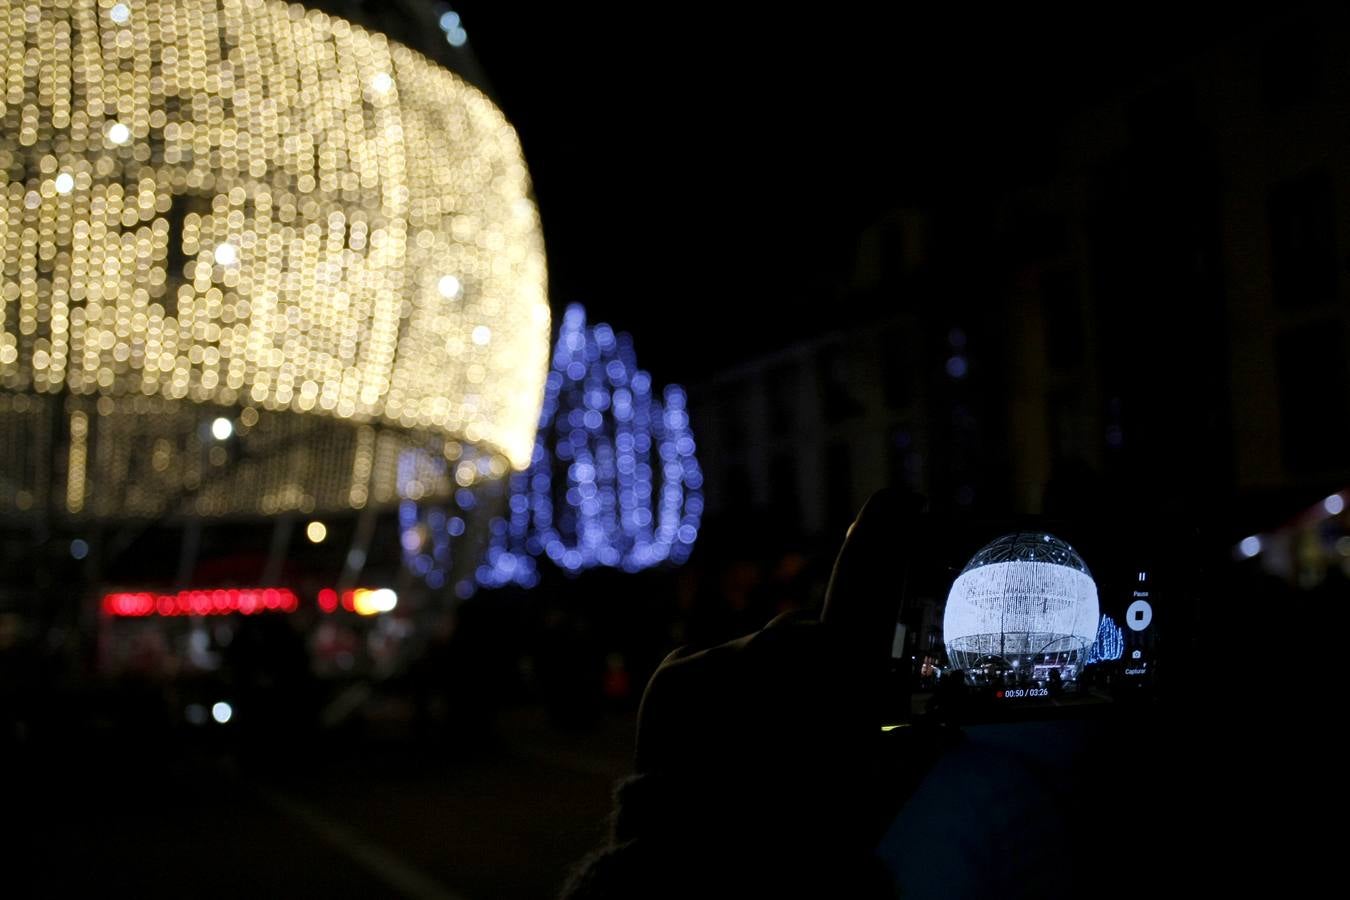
904 464
1062 310
892 252
839 508
1314 397
734 410
897 371
1291 70
736 493
781 386
784 497
1303 240
836 395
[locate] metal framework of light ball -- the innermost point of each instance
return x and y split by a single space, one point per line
1023 600
243 208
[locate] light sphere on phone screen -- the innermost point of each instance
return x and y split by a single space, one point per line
1024 601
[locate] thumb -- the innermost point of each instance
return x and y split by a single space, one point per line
863 596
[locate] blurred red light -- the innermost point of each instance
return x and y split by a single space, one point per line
328 600
203 603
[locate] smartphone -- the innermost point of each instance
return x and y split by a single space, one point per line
1032 617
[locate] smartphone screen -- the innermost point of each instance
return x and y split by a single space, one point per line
1029 618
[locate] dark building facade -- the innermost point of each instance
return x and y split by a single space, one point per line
1163 316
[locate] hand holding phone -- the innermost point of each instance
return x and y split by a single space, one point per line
1031 618
760 766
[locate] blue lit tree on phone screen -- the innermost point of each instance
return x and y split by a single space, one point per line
1110 643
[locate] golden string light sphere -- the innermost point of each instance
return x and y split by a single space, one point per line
244 209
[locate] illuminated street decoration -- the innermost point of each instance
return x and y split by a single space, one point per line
427 530
362 601
251 254
220 602
1022 600
613 479
1110 643
248 601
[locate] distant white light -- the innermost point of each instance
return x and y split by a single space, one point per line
120 13
956 366
449 287
1250 546
118 133
482 335
65 183
316 531
457 37
1334 505
79 549
227 254
382 83
222 712
449 20
221 429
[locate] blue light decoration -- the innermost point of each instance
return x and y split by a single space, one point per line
613 480
427 531
1110 643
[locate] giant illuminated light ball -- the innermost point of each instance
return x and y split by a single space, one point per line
251 254
1023 600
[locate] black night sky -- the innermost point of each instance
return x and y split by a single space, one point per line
695 164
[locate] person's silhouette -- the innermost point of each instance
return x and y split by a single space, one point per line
759 761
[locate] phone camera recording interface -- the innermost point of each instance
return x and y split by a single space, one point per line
1025 622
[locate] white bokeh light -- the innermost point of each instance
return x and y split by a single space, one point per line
449 287
226 254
